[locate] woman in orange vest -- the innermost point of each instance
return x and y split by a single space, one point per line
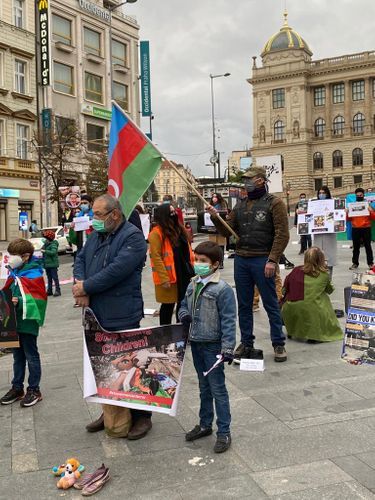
171 260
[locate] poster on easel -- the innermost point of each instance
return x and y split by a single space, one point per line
8 323
322 217
359 341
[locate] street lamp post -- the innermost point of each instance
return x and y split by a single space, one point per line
215 159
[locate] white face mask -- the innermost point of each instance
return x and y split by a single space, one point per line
15 261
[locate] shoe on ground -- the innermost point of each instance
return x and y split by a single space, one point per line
12 396
97 425
89 478
240 349
32 398
353 266
96 484
222 443
256 309
198 433
49 292
140 428
248 353
57 293
280 354
312 341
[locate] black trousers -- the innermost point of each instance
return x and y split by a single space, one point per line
358 235
166 313
305 242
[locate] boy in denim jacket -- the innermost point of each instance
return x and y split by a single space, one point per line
209 312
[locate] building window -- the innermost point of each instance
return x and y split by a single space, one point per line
95 137
359 123
1 69
2 138
358 90
118 53
63 78
22 135
373 88
65 129
319 96
319 127
278 98
278 130
373 156
62 29
19 13
318 183
357 179
338 93
20 68
120 95
91 41
318 161
338 125
93 87
337 159
337 182
357 156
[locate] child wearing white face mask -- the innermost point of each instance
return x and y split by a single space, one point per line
28 289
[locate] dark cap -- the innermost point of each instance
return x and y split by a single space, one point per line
255 172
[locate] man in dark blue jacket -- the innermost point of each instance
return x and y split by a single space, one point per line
108 275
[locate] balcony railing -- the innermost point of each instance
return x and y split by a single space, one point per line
25 164
3 162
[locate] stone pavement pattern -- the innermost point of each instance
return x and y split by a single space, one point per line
302 430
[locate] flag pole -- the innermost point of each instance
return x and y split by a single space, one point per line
188 183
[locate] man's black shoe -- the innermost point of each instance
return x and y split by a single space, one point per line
222 443
198 433
12 396
248 353
32 398
57 293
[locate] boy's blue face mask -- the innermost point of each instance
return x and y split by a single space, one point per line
85 207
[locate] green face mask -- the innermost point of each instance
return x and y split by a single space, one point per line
99 225
201 269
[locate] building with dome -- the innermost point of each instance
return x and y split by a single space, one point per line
319 115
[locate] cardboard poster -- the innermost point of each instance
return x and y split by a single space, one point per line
322 216
358 209
359 340
145 221
272 164
140 369
8 324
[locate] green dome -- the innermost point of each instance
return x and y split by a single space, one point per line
285 39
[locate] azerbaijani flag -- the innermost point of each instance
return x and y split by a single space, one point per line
133 161
33 290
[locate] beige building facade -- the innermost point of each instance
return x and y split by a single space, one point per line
19 173
240 159
318 114
169 182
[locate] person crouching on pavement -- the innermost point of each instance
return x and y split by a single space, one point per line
50 252
209 312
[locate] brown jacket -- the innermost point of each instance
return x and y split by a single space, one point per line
280 221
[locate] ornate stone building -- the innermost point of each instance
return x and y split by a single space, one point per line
169 182
319 115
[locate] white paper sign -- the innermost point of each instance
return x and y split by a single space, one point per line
207 220
272 164
358 209
252 365
145 221
82 223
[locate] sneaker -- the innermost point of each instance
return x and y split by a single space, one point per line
222 443
198 433
49 292
353 266
280 354
32 398
57 293
12 396
240 349
248 353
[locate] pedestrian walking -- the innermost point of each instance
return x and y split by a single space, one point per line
107 275
172 261
307 310
50 252
361 232
30 300
261 222
208 311
327 242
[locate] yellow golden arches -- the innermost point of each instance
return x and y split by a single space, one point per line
42 4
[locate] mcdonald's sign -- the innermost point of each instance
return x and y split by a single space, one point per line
44 43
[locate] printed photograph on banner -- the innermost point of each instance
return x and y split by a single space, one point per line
136 368
272 164
363 292
339 204
303 228
319 221
302 206
8 324
358 209
339 226
4 256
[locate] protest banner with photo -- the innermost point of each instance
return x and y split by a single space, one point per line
8 324
359 340
140 369
4 256
272 164
70 197
322 216
358 209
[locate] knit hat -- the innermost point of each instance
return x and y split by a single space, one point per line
49 234
255 172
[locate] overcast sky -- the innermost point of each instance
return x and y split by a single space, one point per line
191 39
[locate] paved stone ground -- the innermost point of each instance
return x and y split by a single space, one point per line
301 430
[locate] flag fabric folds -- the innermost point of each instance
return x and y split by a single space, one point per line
133 161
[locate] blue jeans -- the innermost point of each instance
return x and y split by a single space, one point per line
52 275
212 388
248 272
27 352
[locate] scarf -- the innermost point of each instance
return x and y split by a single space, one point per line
257 193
